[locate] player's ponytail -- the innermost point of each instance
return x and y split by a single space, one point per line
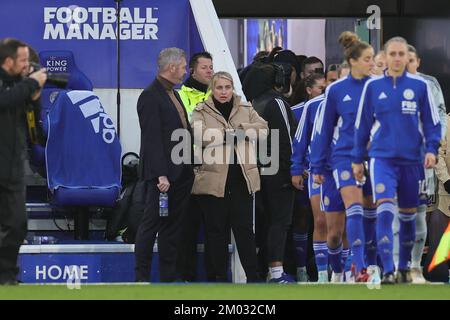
352 44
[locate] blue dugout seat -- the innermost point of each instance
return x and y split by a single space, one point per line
82 154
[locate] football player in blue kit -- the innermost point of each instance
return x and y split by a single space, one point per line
342 196
421 224
315 85
396 116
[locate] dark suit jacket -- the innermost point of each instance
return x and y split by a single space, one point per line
158 118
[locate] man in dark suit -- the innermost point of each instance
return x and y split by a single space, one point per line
19 93
161 112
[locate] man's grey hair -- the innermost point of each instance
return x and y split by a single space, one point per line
170 56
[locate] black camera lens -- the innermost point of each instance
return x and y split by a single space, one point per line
58 80
34 67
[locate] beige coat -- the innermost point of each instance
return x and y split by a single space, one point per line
443 171
211 176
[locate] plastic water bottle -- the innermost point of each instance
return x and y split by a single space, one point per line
163 204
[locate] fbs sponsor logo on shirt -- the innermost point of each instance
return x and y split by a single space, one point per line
408 106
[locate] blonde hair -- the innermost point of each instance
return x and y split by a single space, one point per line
221 75
395 39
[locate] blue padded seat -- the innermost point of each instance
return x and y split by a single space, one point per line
56 62
83 152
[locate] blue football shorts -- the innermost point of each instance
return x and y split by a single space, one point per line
313 188
343 176
330 197
390 179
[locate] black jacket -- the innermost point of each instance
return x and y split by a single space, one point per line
15 99
274 108
259 78
158 118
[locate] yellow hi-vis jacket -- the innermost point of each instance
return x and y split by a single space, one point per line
191 97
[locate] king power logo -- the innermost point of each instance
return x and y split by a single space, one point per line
56 64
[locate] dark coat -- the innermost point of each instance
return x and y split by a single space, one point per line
274 108
15 99
158 118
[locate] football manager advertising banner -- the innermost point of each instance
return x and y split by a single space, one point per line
88 29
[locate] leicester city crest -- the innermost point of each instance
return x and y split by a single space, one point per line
408 94
380 187
345 175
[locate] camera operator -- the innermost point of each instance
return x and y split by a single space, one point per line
18 94
266 85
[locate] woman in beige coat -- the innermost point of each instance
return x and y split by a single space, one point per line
438 219
225 131
442 170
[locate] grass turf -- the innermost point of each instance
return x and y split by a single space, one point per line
224 292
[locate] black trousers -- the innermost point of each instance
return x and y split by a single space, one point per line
235 210
13 230
167 228
261 228
187 259
278 200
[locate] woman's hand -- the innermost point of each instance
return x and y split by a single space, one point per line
358 172
297 182
318 178
430 160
